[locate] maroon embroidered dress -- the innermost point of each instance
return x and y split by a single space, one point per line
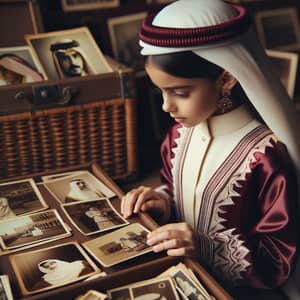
233 181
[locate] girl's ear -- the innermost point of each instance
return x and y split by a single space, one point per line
227 81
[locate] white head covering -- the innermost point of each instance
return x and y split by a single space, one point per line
245 59
63 272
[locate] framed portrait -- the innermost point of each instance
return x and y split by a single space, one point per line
82 186
75 5
119 245
278 28
18 66
94 216
286 65
68 53
20 198
51 267
123 31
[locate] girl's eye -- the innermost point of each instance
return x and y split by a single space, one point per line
181 94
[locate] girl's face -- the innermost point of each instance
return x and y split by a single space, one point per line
188 100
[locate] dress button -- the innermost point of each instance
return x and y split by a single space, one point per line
203 139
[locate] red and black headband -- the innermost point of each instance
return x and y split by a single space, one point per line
192 37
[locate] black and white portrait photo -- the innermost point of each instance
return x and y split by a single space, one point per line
79 187
20 198
51 267
94 216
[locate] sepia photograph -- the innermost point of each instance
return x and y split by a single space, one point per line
79 187
123 31
78 5
278 28
51 267
32 229
92 295
61 175
68 53
91 217
5 289
19 198
286 65
119 245
17 66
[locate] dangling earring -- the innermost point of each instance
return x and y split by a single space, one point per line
225 103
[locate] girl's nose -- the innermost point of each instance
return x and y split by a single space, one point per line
168 105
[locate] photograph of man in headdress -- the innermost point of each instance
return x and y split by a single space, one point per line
17 66
78 187
68 53
69 59
51 267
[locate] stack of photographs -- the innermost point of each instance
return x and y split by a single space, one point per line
178 282
5 289
52 267
31 230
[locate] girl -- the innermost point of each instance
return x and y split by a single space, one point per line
229 187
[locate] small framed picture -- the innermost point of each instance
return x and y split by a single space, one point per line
20 198
94 216
5 289
278 28
32 229
123 31
75 5
18 65
119 245
78 187
286 65
49 268
68 53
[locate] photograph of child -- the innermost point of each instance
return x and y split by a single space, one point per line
119 245
78 187
51 267
20 198
32 229
94 216
17 66
68 53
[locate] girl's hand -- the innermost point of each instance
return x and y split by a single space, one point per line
144 199
178 239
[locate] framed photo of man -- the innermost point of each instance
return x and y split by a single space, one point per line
278 28
18 66
286 65
68 53
78 5
123 31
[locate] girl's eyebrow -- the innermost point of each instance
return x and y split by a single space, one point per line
177 87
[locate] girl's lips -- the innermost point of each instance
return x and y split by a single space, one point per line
180 120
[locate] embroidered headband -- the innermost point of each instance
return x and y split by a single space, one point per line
190 37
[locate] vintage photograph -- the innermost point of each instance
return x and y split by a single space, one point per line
32 229
92 295
61 175
19 198
5 289
286 65
119 245
123 31
75 5
51 267
79 187
68 53
94 216
17 66
278 28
